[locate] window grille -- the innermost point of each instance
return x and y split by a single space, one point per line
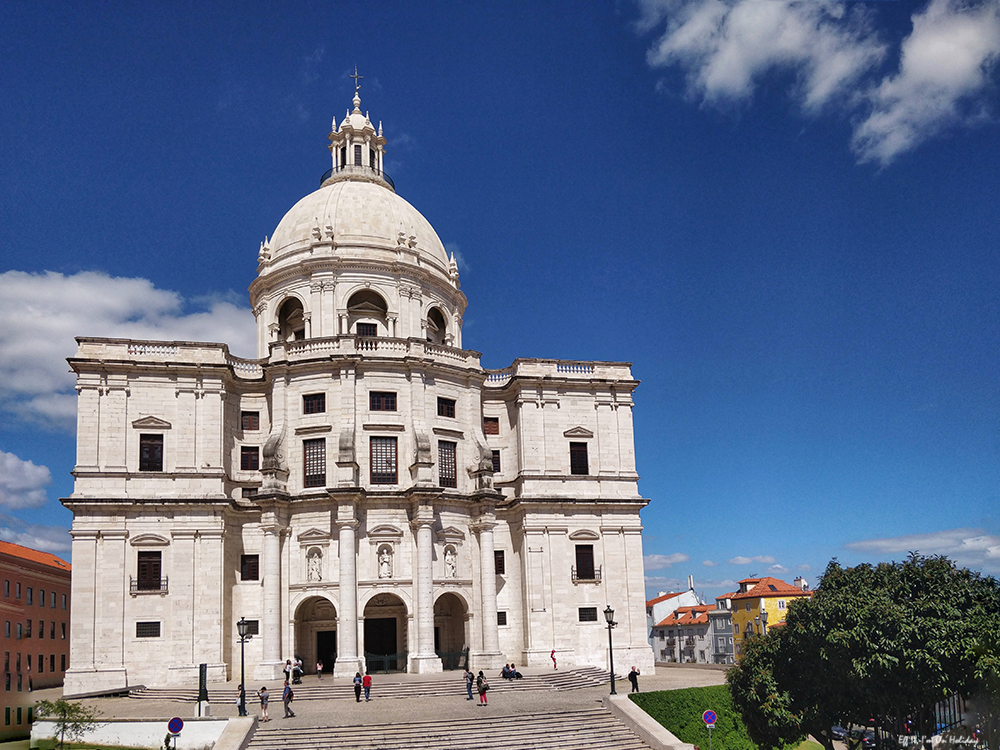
383 460
314 462
314 403
501 618
447 469
578 458
491 425
496 462
249 568
147 630
588 614
368 329
585 562
381 401
150 452
148 571
499 563
249 458
446 407
250 420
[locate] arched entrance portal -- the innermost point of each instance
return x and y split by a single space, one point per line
450 636
316 633
385 634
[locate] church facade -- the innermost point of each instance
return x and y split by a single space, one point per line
363 493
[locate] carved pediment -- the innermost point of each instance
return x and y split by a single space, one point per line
314 536
385 533
450 535
149 540
578 432
151 423
584 535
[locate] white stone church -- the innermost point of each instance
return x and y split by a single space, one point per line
363 493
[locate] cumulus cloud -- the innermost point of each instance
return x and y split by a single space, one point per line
778 568
660 562
54 539
709 563
41 313
837 60
763 559
664 583
972 548
22 483
944 65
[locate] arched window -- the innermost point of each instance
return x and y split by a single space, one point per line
437 328
291 321
367 312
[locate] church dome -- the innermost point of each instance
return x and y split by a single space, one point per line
355 218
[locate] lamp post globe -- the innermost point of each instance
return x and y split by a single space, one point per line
609 615
242 629
763 619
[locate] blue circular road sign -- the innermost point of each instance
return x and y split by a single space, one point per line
175 725
709 717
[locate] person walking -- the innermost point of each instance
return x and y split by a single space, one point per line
286 697
633 677
469 679
319 670
264 697
241 701
482 686
366 683
357 686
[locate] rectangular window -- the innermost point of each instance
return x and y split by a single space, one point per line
27 630
249 458
491 425
19 708
314 403
381 401
446 407
250 420
578 458
369 330
147 630
53 600
20 687
52 630
447 470
748 606
496 462
248 492
585 562
62 662
781 603
314 462
52 662
30 599
29 662
372 161
41 597
62 628
18 664
383 460
64 601
588 614
736 628
501 618
253 627
17 590
41 628
150 452
357 155
499 564
41 663
7 709
148 571
20 630
249 567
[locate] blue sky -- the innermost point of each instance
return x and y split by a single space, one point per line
784 214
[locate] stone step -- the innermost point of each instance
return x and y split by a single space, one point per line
588 729
573 679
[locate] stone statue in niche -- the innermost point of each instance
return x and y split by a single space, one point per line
385 563
450 563
314 565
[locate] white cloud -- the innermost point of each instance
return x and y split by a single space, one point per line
664 583
779 568
54 539
804 567
660 562
22 483
709 563
972 548
764 559
945 65
727 47
41 313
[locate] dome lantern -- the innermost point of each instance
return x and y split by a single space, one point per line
356 148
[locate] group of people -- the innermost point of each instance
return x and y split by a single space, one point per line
482 685
509 672
294 671
362 683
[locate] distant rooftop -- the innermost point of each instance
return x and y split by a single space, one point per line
34 555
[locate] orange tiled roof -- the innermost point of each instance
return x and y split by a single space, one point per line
34 555
769 587
730 595
663 598
696 615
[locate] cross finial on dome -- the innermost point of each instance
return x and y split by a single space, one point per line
356 77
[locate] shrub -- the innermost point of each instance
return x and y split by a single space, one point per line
679 711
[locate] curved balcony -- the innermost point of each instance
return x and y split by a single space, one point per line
371 173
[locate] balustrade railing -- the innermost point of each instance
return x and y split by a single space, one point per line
147 585
357 169
586 576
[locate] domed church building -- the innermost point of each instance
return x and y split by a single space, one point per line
363 493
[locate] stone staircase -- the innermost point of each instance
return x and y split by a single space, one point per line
588 729
389 686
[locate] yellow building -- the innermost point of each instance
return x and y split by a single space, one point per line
762 603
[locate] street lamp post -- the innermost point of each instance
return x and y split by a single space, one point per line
243 627
609 615
763 619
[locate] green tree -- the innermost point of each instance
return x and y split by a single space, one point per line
875 645
71 719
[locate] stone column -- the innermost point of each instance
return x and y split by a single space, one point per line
489 657
424 661
348 659
270 666
82 675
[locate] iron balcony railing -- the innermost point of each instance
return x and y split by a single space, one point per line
147 585
582 577
357 169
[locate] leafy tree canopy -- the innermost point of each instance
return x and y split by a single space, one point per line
71 720
875 644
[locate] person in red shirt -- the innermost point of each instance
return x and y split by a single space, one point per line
366 682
